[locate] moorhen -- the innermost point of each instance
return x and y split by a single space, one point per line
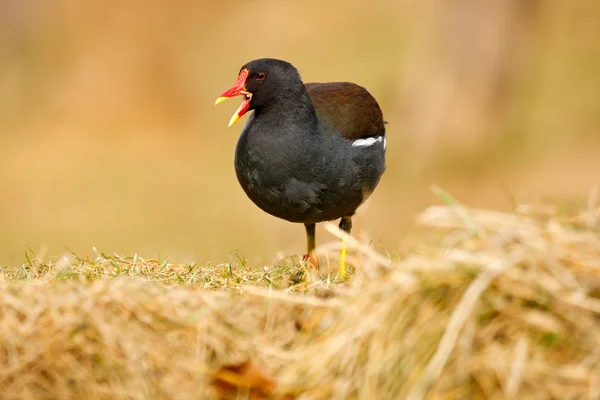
310 152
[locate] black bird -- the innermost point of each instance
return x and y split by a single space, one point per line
310 152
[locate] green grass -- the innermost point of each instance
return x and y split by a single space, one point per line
230 275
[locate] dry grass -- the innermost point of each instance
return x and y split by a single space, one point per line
498 305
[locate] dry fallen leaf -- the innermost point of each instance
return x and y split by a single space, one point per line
246 377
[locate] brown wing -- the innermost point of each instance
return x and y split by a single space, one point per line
347 108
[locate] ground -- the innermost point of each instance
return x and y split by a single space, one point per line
485 305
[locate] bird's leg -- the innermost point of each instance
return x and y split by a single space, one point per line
346 226
310 246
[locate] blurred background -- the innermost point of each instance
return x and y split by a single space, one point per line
109 136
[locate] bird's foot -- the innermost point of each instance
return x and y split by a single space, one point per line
312 260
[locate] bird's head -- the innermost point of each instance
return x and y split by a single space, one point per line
262 82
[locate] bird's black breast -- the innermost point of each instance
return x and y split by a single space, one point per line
272 177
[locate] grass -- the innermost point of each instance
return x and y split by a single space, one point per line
487 305
86 269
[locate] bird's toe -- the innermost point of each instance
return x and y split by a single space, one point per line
312 260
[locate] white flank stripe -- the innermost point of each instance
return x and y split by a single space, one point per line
370 141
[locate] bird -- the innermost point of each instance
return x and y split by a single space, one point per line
308 153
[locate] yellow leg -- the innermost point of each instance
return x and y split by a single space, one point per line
342 273
346 226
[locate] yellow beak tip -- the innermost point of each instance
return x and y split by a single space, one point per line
220 100
233 120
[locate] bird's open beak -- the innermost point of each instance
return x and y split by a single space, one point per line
239 89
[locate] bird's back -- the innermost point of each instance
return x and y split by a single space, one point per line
347 108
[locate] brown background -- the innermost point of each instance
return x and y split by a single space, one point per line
109 136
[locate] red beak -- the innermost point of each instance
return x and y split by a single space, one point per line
239 89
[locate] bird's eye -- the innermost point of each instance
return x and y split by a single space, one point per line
260 76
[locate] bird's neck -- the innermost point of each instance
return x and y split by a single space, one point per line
293 110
